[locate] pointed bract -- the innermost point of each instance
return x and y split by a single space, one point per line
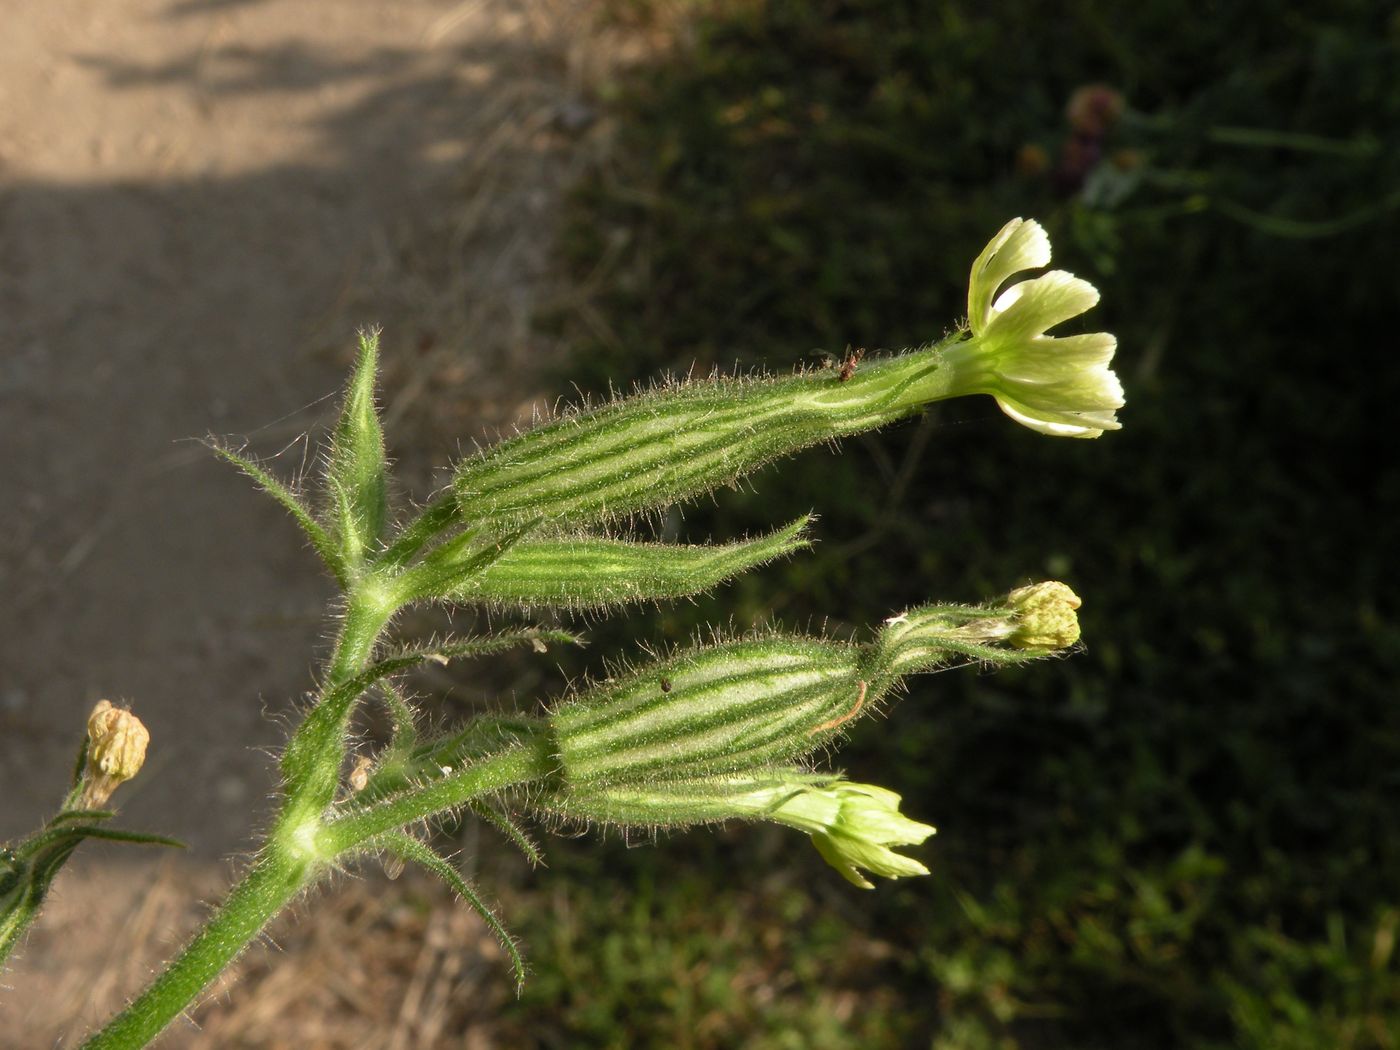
591 572
357 472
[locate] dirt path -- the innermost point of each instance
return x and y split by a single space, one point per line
199 202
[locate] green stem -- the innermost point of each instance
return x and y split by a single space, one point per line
286 866
273 881
364 620
519 764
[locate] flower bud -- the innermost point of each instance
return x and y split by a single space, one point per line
1028 623
116 750
852 825
1044 615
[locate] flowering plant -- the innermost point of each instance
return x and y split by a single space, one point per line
726 730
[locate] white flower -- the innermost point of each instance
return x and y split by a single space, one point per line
1060 386
853 826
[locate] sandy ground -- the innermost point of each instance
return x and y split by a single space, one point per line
199 202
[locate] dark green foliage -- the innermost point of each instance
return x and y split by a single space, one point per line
1186 836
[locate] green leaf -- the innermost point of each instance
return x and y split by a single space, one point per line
69 835
586 571
357 473
320 539
408 848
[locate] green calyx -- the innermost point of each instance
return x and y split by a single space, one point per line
357 467
853 826
709 710
735 707
670 445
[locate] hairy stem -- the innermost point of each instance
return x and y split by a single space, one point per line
267 888
521 763
290 860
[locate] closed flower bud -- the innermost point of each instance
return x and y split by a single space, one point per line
1029 622
1044 616
852 825
116 750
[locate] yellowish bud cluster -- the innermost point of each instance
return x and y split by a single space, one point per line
1044 616
116 751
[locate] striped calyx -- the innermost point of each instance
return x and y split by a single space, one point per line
594 571
710 710
742 706
669 445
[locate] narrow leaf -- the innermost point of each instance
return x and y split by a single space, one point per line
408 848
581 572
502 822
460 558
356 477
75 833
439 515
320 539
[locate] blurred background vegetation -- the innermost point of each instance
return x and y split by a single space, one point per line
1185 835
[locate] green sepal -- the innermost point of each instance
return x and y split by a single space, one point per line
589 572
319 537
407 848
357 467
672 444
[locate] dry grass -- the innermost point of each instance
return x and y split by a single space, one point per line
369 963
